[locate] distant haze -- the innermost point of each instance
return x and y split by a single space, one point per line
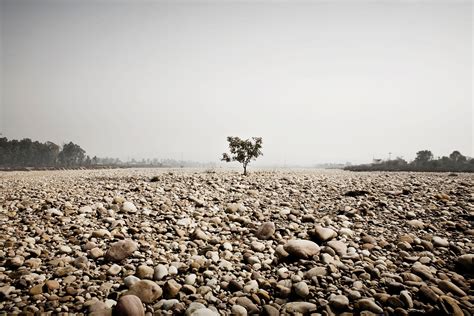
319 81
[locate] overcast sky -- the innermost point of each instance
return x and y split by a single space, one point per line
320 82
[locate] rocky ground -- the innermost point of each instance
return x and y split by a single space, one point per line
204 243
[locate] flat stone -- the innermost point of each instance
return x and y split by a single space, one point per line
300 307
96 253
415 223
448 286
315 272
148 291
440 242
301 249
114 270
323 234
339 247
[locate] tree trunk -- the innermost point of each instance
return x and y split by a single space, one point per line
245 169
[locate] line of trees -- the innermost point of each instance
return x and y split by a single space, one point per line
424 161
28 153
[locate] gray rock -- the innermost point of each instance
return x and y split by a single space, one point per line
440 242
238 310
160 272
301 289
129 207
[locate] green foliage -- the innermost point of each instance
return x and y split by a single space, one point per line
71 155
28 153
423 156
424 161
243 151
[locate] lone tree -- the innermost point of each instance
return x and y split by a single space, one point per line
243 151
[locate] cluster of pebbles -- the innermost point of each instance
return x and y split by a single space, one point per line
135 242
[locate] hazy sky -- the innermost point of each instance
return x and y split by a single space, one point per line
319 81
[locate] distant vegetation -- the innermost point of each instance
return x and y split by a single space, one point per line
424 161
25 153
28 153
243 150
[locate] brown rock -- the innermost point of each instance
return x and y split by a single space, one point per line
121 250
301 249
265 231
129 305
450 306
148 291
171 289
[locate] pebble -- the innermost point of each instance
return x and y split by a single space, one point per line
339 247
238 310
198 243
369 305
121 250
266 230
160 272
148 291
301 289
129 305
300 307
339 302
129 207
440 242
114 270
323 234
145 272
301 249
65 249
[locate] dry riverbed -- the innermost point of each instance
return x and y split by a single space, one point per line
201 243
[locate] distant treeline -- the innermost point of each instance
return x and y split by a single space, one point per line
424 161
26 153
